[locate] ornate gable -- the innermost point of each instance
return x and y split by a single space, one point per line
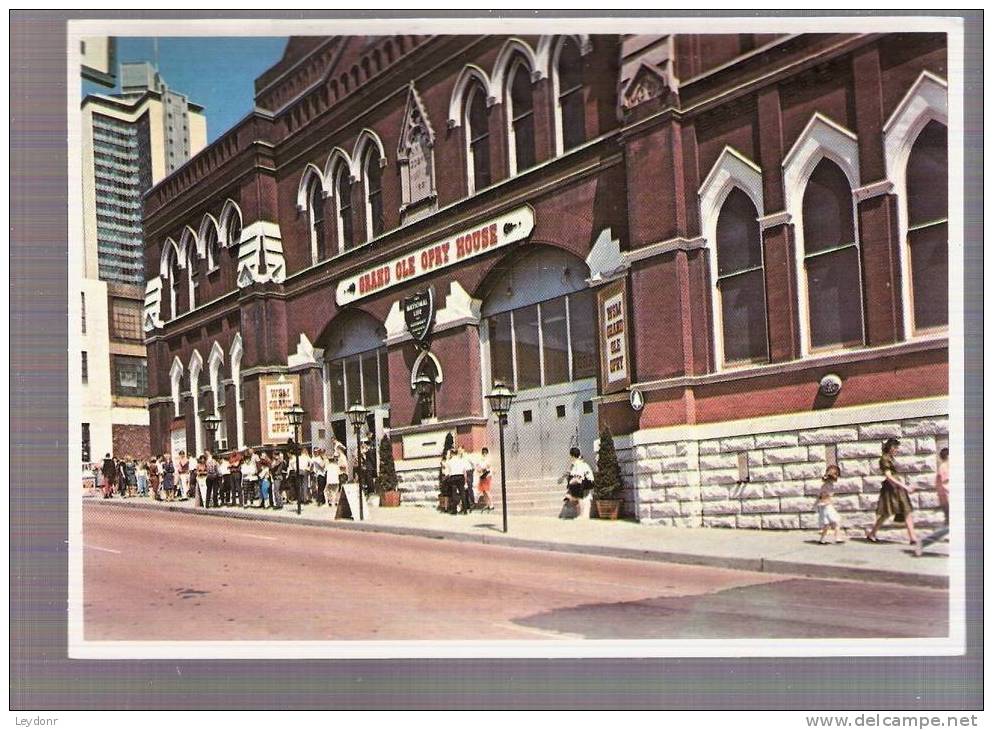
415 154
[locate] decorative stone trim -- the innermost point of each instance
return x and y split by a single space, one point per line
261 248
263 370
605 260
782 218
663 247
439 425
306 355
460 309
872 190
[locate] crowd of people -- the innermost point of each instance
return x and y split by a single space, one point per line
266 478
464 480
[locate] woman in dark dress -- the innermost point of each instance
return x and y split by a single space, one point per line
894 497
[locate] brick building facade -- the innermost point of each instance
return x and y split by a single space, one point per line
702 226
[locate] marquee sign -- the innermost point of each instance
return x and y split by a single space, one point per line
476 240
418 313
614 364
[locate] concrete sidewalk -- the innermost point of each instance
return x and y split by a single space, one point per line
794 552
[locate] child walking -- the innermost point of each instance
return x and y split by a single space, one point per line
827 515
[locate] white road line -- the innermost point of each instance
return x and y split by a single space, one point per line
257 537
106 550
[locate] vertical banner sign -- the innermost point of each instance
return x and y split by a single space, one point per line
276 397
614 360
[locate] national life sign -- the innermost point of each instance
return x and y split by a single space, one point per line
418 313
474 241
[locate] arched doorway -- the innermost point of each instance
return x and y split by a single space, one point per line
538 335
355 372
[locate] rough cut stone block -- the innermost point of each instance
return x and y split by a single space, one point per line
719 522
675 463
640 453
868 502
914 465
849 485
926 427
784 489
737 443
712 446
808 521
796 504
755 458
855 467
749 522
785 456
752 506
747 491
793 472
644 512
879 431
668 479
643 481
812 487
646 467
708 494
871 484
691 510
816 454
727 507
931 519
926 445
720 476
683 494
692 478
766 474
780 522
665 509
775 440
719 461
847 503
860 450
661 451
829 435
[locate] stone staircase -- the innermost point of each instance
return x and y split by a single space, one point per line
539 497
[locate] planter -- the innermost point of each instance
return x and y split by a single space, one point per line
390 498
607 509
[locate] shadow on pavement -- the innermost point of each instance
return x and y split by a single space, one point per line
794 608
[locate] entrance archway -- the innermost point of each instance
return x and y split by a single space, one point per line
538 335
356 371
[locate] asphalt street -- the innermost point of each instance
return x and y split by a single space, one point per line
155 575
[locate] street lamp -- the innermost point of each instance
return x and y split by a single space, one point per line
212 423
294 414
500 399
356 417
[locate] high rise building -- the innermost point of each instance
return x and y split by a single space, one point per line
130 142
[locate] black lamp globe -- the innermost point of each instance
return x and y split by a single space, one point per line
500 399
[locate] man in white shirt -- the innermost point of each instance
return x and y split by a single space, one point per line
249 477
580 483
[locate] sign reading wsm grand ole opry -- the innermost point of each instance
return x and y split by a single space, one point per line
679 237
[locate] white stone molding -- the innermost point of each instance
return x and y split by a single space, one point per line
468 74
395 324
235 358
310 174
169 259
548 46
731 170
175 383
189 244
513 56
306 355
512 48
663 247
417 181
261 248
781 218
152 308
336 157
820 139
872 190
605 260
229 210
926 101
203 234
215 361
416 368
460 309
365 138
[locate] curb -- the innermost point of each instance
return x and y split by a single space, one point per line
758 565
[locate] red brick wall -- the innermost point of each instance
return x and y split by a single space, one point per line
131 441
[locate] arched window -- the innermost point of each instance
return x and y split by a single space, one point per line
212 246
172 274
740 281
571 110
236 353
477 132
231 221
927 227
373 192
425 409
191 272
831 260
315 209
343 206
521 114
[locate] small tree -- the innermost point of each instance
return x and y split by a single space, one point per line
607 483
387 481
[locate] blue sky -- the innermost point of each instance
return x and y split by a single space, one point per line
217 73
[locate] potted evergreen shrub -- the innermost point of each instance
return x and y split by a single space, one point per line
607 482
389 495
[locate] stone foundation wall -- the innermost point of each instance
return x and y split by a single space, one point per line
418 480
697 483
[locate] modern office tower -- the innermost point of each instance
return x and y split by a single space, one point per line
130 141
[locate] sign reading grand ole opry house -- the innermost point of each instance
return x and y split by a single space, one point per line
477 240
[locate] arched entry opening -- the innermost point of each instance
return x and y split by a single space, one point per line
356 371
538 335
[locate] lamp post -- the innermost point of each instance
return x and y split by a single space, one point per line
212 423
294 415
356 416
500 399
